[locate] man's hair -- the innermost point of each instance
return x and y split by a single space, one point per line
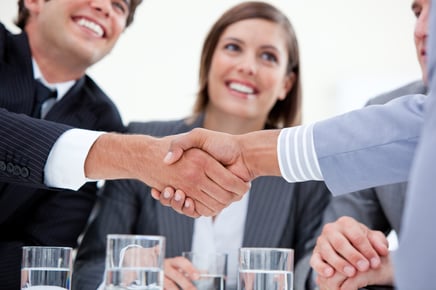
23 13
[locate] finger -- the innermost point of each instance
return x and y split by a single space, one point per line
155 193
166 193
332 255
230 184
332 283
180 270
349 239
320 267
379 242
170 284
204 210
178 200
189 208
166 196
184 205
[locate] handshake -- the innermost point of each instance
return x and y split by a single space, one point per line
197 173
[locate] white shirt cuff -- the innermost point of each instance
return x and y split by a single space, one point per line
298 160
65 167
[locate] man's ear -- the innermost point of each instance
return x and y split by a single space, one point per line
34 6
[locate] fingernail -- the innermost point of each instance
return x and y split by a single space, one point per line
349 271
168 157
375 262
187 204
166 194
363 265
177 197
328 272
195 276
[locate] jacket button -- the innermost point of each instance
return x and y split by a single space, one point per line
17 170
24 172
10 168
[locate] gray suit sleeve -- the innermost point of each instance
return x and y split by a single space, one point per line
369 147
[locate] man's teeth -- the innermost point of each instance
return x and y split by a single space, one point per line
241 88
92 26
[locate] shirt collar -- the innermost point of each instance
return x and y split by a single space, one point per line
61 88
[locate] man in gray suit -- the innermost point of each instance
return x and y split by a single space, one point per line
379 208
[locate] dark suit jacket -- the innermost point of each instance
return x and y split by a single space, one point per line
31 214
279 214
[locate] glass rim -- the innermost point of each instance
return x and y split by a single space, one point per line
284 250
135 236
46 247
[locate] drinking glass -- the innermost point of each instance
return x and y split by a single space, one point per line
265 269
46 268
134 262
212 267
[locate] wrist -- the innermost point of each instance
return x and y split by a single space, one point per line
259 150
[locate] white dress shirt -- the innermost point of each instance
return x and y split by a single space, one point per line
223 235
65 166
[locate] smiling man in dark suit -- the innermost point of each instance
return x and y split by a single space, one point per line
60 40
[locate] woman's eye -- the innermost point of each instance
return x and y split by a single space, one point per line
269 57
232 47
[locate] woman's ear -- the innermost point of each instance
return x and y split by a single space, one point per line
288 83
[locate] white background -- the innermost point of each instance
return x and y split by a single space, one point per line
350 51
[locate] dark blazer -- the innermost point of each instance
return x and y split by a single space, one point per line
279 214
31 214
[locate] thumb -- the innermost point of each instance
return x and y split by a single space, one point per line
182 143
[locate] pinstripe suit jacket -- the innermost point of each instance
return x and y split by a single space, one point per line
279 214
380 208
29 213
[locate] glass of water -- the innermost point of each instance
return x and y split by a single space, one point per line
134 262
212 267
265 268
46 268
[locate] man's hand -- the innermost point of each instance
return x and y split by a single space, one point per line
247 156
196 173
347 246
223 147
382 276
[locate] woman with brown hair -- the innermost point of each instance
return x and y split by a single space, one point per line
249 80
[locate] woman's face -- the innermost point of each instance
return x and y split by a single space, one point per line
248 70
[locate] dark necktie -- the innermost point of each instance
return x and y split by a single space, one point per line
42 94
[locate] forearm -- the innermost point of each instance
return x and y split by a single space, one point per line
117 156
259 151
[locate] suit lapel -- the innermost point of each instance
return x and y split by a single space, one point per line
16 72
264 226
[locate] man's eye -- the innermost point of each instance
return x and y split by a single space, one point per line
120 6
